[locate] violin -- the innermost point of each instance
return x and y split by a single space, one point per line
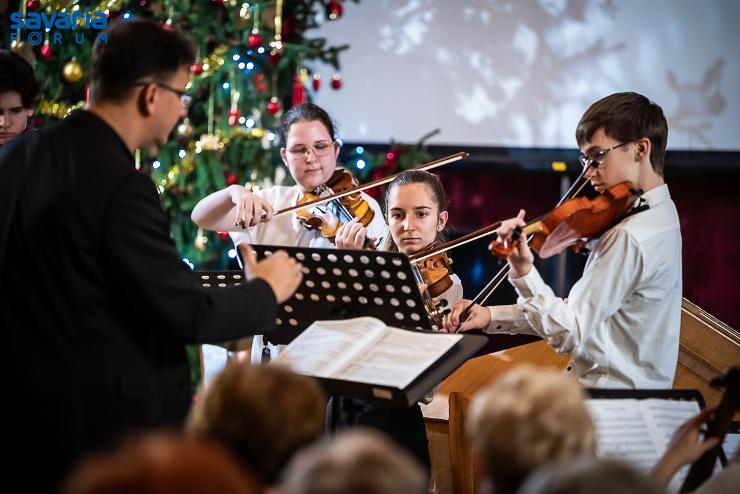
328 217
434 272
571 222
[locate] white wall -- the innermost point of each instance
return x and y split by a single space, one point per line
521 72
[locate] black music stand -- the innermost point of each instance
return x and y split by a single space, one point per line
342 284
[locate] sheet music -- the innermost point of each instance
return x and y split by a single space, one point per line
327 345
623 434
364 350
397 357
731 445
663 418
638 432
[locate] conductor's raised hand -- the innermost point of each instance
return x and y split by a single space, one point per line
250 209
280 271
478 318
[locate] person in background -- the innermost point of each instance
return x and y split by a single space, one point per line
527 418
19 95
358 461
263 414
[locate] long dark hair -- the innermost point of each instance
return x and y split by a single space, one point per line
438 194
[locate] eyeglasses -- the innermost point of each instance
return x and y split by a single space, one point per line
185 98
596 159
320 149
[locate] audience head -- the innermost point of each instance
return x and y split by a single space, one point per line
586 475
357 461
527 418
263 414
161 464
19 94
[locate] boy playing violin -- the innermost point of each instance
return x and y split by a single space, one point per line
621 320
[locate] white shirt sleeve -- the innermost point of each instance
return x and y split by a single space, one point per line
612 273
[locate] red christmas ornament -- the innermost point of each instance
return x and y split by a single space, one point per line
46 51
254 40
316 83
37 121
287 27
233 115
222 235
273 106
33 4
299 91
218 2
334 10
142 3
196 69
275 56
336 81
231 179
259 83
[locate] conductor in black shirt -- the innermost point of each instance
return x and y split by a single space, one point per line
96 305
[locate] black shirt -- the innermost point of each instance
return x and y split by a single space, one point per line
96 304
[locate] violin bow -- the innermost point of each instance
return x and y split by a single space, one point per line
496 281
428 166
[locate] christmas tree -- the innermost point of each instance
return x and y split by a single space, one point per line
257 58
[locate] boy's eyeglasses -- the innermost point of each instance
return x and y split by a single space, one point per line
596 158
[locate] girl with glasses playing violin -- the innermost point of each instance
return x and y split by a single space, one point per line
621 320
310 152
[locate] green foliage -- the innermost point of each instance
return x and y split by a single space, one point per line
238 153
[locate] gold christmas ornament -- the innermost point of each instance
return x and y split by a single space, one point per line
200 240
185 130
17 46
257 133
209 142
72 71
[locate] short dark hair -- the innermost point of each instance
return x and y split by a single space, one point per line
305 112
627 117
438 194
17 75
136 51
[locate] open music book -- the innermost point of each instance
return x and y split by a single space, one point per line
638 432
365 350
